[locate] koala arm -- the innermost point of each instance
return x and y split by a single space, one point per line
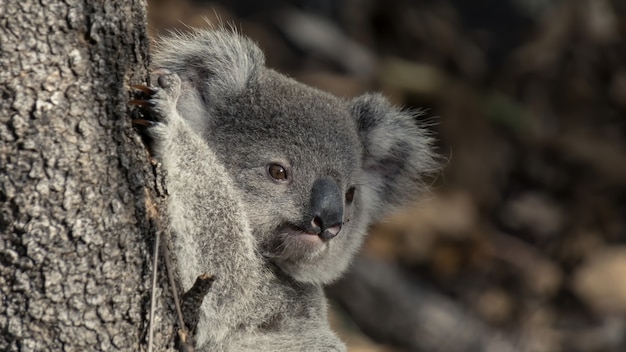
248 308
209 229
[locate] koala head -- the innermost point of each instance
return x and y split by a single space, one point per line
313 170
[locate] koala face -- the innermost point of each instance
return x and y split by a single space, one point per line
313 171
295 155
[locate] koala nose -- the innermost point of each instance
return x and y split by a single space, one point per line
326 207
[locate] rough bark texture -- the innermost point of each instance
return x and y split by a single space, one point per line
76 201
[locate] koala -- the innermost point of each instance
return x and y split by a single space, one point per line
272 185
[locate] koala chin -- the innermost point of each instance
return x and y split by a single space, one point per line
272 186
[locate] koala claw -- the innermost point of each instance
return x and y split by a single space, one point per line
143 103
144 122
154 103
144 89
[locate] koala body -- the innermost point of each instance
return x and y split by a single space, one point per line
272 187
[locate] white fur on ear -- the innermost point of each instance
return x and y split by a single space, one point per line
398 153
217 61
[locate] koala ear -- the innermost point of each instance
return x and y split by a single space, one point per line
215 62
397 154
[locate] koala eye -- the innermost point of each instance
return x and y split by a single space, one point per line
277 172
350 195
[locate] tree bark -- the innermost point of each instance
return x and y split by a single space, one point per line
78 208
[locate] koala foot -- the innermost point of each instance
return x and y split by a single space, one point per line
157 104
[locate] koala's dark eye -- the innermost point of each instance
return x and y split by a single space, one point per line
277 172
350 195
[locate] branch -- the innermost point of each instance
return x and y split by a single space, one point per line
192 300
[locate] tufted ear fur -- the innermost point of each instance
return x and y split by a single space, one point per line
218 62
397 153
213 64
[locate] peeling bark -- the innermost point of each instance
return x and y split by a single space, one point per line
77 204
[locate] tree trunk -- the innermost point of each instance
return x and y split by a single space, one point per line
77 200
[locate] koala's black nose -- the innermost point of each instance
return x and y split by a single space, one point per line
326 207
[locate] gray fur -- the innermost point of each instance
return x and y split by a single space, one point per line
224 117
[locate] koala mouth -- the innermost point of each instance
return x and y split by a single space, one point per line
299 242
306 237
322 235
297 245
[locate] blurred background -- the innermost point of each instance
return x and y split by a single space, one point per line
521 244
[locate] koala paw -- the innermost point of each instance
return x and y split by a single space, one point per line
156 105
